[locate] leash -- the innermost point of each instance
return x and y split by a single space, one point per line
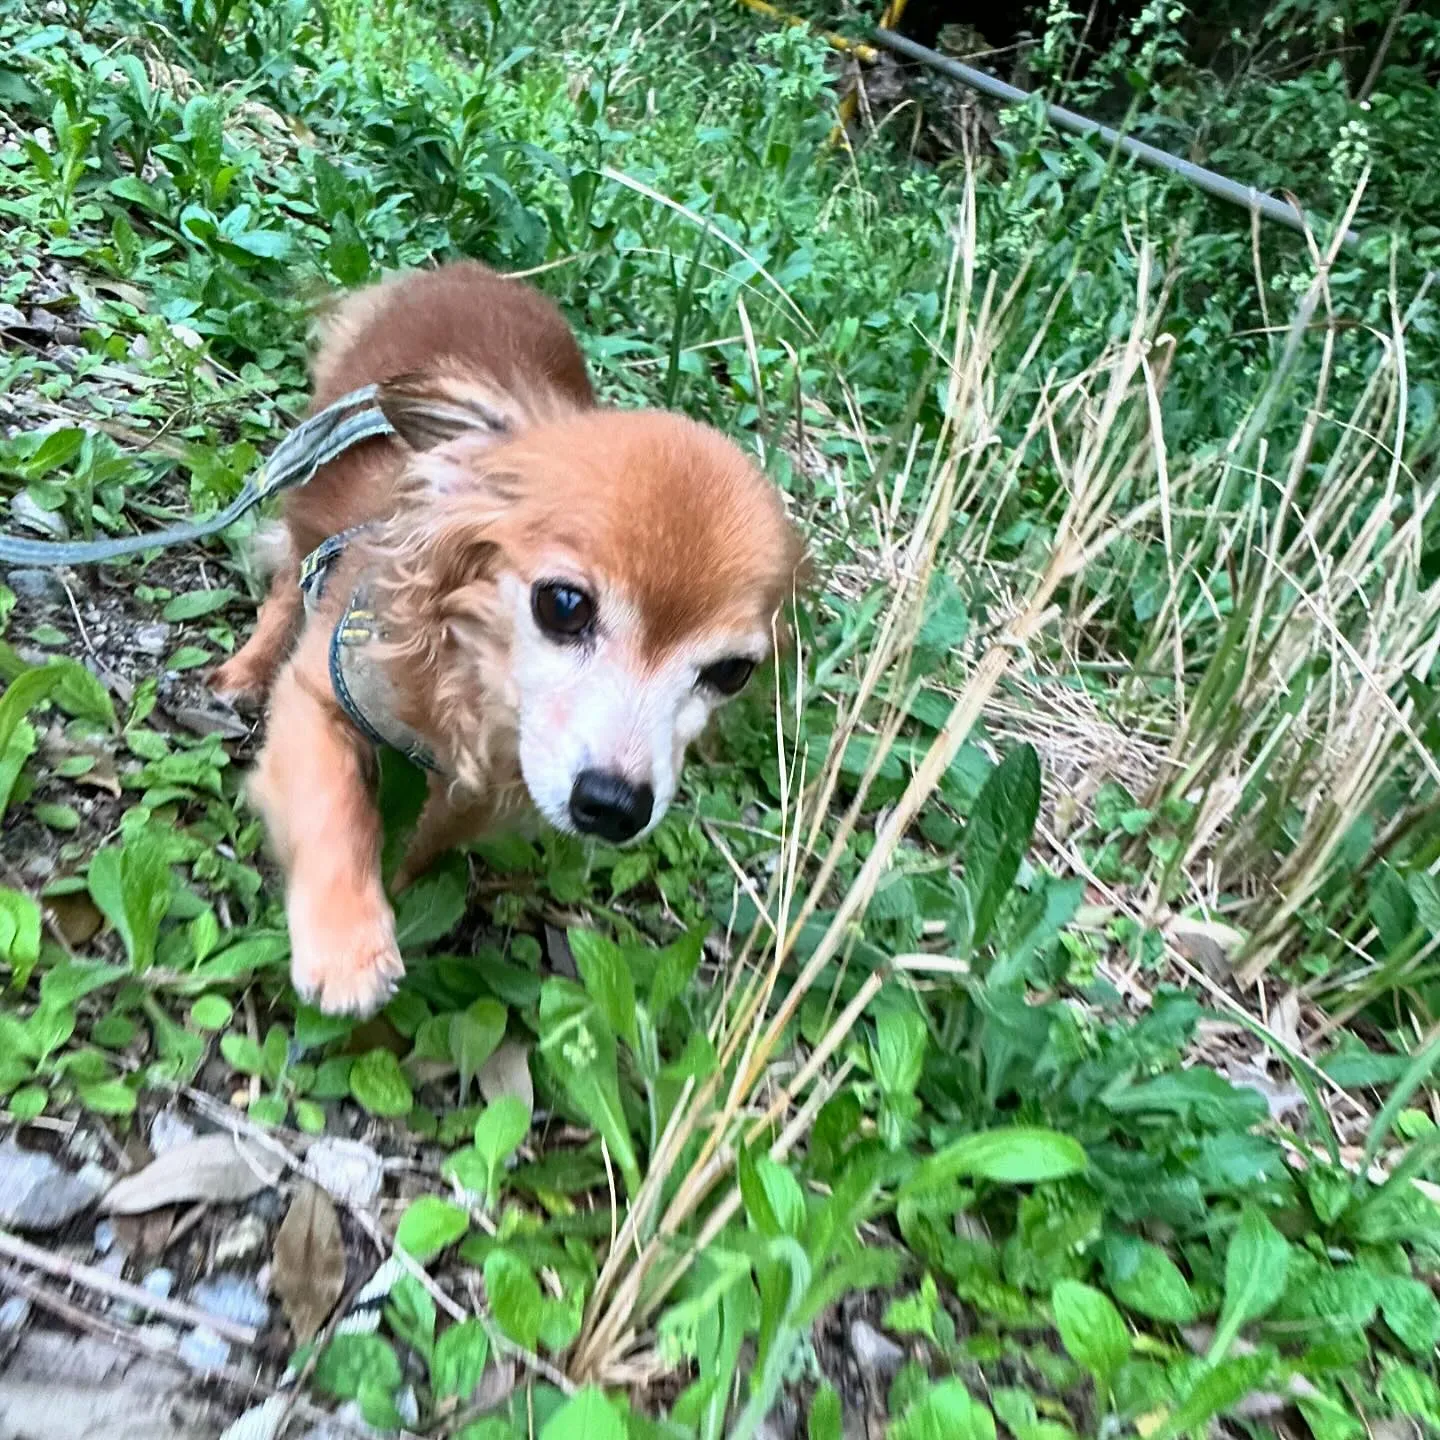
313 443
360 686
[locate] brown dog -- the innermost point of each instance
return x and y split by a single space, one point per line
542 600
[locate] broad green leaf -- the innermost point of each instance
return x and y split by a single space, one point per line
379 1084
773 1198
74 979
243 1054
585 1416
309 1117
997 836
204 131
1144 1278
1016 1410
430 1225
16 751
945 1412
64 818
579 1048
19 934
606 974
899 1051
1213 1391
107 1097
131 886
1417 1072
1412 1312
430 908
826 1421
1256 1265
410 1313
1018 1156
350 1360
197 603
474 1034
458 1360
1091 1330
675 966
499 1131
21 696
514 1296
79 693
26 1104
211 1012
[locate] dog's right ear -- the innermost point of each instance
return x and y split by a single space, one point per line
428 409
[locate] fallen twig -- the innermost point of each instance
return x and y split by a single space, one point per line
127 1337
87 1276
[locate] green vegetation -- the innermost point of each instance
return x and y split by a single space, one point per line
1043 970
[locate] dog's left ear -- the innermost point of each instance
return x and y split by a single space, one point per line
428 409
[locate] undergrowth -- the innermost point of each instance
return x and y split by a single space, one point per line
1042 969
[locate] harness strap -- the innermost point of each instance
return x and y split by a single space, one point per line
294 461
362 687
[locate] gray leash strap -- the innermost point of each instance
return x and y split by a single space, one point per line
313 443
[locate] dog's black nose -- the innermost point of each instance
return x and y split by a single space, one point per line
610 806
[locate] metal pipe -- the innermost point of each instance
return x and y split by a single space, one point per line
1246 196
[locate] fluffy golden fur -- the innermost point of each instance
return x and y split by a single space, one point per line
504 487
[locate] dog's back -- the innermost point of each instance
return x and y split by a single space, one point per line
461 336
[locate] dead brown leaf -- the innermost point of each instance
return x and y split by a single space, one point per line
309 1269
222 1168
76 917
507 1072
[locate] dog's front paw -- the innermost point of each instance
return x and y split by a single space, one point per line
349 970
238 684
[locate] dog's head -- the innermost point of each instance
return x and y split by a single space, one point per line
585 596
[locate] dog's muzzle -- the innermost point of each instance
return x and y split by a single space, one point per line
609 806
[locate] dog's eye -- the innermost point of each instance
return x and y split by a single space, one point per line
562 611
728 676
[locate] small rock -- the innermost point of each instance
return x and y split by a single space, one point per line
152 639
346 1169
267 1206
157 1334
41 586
407 1407
85 1146
167 1130
231 1297
159 1281
30 516
95 1175
36 1194
507 1072
105 1238
782 1423
240 1241
11 318
112 1263
13 1314
203 1349
261 1422
218 720
873 1351
42 321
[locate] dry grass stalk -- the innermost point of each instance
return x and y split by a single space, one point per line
1095 423
1303 707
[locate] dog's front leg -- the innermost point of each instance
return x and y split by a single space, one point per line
312 784
448 819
